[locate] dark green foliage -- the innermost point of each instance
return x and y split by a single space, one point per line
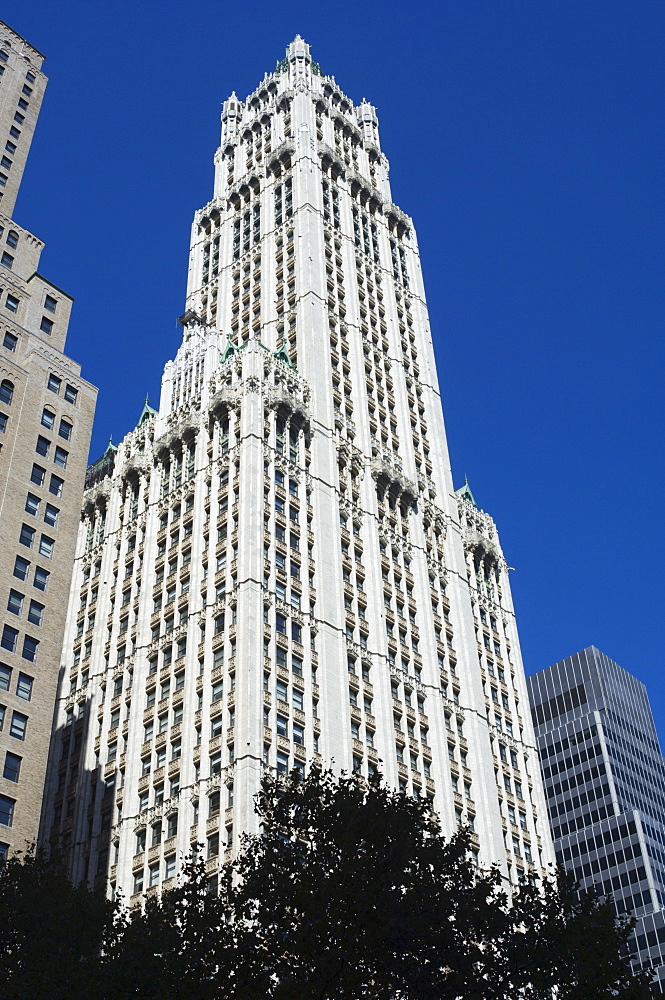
50 931
350 893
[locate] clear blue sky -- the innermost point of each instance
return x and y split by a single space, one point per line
525 140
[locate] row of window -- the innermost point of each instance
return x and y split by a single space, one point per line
28 536
43 448
54 384
35 610
9 641
154 873
18 725
22 572
23 682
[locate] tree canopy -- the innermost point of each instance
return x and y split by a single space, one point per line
351 891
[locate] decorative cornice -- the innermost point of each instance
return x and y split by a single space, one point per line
393 481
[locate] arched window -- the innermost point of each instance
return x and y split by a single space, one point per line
12 239
6 391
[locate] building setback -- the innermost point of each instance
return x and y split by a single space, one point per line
604 779
274 568
46 412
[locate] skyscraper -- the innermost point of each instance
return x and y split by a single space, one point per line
604 778
46 412
274 568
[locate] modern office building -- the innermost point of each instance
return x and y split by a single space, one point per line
604 779
274 568
46 412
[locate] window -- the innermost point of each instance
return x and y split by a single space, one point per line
6 810
3 422
50 304
51 515
11 303
43 445
30 647
5 676
48 418
71 394
9 637
27 536
282 726
46 325
6 392
15 602
18 726
46 545
40 580
36 613
10 341
32 504
60 457
37 475
55 486
12 767
54 384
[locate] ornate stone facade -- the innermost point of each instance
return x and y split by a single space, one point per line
275 567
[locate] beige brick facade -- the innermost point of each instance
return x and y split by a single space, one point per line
46 412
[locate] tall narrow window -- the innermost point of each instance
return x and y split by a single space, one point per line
6 392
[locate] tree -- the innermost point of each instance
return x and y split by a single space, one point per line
50 930
183 945
352 891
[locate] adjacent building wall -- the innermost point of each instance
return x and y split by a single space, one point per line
604 778
46 412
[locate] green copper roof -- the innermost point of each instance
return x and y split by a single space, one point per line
282 354
465 493
147 413
228 351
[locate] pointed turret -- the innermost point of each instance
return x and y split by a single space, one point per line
464 493
231 115
147 413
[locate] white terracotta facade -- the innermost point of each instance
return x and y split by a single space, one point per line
276 564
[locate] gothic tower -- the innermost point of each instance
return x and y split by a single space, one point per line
275 568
